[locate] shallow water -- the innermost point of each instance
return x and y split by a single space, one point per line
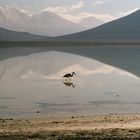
34 82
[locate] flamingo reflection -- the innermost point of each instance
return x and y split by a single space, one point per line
69 84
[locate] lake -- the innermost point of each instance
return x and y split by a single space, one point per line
32 84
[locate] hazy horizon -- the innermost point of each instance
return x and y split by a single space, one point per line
76 10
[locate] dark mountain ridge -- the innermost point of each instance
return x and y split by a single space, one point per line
126 28
8 35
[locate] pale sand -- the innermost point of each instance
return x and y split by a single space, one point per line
79 127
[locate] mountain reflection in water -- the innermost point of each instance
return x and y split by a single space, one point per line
35 82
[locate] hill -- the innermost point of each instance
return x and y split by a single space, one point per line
8 35
123 29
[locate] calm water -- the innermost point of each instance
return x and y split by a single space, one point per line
31 79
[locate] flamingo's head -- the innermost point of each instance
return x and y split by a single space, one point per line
73 73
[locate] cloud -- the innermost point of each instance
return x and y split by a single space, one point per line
80 16
64 9
72 12
105 17
122 14
105 69
25 12
79 5
69 12
124 73
15 7
99 2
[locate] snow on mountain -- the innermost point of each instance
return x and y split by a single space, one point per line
45 23
13 19
90 22
54 24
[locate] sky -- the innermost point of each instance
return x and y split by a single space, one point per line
76 10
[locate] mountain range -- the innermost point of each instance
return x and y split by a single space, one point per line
45 23
124 29
7 35
90 22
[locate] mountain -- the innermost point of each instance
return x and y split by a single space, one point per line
13 19
123 29
7 35
90 22
54 25
45 23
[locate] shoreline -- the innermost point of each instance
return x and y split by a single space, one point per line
73 127
68 43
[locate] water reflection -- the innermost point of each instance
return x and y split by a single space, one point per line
122 56
33 82
106 102
67 79
69 84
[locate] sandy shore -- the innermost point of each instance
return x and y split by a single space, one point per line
67 128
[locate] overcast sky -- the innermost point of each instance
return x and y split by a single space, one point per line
75 10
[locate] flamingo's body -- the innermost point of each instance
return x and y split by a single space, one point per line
69 75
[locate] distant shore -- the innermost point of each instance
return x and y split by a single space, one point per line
74 127
68 43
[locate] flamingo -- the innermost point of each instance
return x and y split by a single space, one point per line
69 75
